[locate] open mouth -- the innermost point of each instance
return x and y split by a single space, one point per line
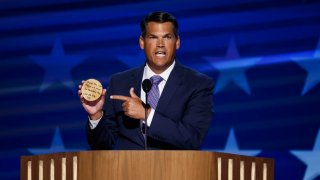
160 53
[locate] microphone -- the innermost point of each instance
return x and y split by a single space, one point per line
146 86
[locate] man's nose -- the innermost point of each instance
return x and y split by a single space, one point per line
160 42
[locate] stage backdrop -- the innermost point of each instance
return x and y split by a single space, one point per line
264 56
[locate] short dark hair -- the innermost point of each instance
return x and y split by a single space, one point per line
159 17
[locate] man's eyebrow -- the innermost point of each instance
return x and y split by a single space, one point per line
168 34
151 34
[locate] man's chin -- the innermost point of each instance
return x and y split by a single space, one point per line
160 59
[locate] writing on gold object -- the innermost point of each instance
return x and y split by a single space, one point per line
91 90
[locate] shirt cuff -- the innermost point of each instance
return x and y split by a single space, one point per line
94 123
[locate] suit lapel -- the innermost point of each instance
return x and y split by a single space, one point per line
174 81
136 80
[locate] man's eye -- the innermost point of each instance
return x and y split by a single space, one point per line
167 37
151 37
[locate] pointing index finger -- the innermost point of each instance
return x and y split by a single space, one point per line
119 97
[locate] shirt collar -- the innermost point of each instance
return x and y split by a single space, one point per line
148 73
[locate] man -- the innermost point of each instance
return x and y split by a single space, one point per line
180 108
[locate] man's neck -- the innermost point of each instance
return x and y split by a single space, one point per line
159 70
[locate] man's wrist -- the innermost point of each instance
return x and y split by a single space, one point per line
97 116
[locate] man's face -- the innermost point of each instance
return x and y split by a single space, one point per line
160 45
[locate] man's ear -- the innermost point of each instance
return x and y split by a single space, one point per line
141 42
178 42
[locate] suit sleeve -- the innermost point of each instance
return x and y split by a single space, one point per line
104 135
189 131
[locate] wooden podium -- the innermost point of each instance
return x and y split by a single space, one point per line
145 165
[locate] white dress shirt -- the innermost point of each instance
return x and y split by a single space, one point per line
147 74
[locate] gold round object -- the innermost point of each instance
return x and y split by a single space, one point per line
91 89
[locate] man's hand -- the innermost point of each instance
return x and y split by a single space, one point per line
132 106
94 108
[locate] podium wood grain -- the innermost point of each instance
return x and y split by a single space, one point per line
147 165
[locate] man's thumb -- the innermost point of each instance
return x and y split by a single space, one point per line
132 94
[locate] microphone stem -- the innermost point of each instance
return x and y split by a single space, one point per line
146 124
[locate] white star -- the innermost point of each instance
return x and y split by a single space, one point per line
232 68
232 147
312 66
311 159
58 66
56 146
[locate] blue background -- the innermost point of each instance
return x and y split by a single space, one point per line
264 56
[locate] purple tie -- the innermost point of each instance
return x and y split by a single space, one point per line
153 95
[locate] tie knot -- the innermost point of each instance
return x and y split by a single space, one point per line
156 79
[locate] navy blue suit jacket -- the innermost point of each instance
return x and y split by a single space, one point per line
181 120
